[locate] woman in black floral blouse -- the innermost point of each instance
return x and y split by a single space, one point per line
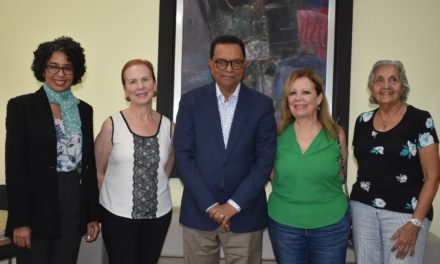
396 148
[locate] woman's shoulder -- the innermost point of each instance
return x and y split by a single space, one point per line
341 137
164 121
161 117
417 112
419 116
20 98
288 131
85 105
118 114
366 117
24 98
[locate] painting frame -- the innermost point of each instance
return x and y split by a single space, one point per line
341 60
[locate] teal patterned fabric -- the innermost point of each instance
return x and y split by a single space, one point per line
69 108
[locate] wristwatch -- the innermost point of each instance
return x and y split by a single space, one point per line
416 222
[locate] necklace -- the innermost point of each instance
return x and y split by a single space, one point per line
386 122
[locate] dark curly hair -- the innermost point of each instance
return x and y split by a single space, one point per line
73 51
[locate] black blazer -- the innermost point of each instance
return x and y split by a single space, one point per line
31 156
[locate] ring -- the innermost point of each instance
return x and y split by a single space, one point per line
222 216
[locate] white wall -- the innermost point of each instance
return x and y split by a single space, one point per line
113 31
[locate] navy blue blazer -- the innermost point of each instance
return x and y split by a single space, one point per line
209 172
31 156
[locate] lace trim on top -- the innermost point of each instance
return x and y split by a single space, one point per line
146 163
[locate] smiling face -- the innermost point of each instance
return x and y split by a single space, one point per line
387 88
227 79
139 84
303 99
59 82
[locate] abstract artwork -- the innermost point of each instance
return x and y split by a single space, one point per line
281 36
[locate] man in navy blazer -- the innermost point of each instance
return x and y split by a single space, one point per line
225 144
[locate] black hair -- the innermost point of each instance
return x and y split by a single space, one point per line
227 39
73 51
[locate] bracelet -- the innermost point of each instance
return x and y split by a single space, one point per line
416 222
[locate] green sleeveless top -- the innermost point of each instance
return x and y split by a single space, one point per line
306 188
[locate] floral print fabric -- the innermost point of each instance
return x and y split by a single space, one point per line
69 148
389 171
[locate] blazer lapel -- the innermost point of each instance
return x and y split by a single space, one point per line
44 114
213 116
86 117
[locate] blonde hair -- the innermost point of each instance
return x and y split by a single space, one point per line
323 114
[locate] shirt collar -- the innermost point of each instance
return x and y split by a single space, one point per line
220 95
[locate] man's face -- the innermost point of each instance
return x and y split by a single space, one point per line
230 76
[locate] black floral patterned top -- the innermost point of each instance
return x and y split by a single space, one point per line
389 174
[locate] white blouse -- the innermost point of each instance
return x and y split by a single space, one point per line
135 184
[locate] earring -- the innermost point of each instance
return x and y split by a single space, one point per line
319 107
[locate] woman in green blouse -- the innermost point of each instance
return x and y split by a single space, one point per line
307 207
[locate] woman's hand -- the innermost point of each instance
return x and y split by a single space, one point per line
405 238
22 236
92 231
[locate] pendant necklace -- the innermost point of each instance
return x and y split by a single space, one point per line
386 122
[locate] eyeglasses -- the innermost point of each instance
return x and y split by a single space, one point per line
223 64
55 68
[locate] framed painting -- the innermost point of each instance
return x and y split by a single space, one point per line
280 37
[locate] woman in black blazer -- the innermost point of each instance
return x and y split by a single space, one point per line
50 165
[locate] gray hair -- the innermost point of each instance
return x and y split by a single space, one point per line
402 75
